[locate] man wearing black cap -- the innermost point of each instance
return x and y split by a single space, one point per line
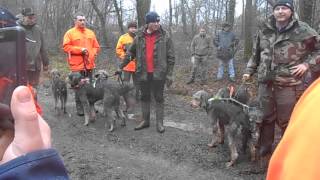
154 53
36 49
286 51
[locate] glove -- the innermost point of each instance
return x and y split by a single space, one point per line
245 77
84 51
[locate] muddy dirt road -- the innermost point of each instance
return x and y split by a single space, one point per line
92 153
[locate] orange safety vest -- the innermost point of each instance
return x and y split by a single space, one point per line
297 156
73 41
124 42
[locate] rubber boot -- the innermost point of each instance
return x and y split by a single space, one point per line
160 117
145 106
266 138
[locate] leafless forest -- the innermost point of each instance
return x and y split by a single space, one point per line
182 18
90 152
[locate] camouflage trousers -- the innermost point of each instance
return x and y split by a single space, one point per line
200 65
277 103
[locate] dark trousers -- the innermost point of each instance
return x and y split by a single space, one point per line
127 77
151 86
277 103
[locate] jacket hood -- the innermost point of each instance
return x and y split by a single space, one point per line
271 23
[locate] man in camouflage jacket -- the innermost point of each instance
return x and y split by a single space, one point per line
285 52
154 53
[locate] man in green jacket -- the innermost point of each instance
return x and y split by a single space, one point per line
285 52
154 53
36 53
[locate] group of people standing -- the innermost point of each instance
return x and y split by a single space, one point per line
286 58
202 51
145 55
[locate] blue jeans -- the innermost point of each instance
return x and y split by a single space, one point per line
231 70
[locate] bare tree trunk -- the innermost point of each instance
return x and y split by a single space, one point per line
231 10
170 17
306 11
119 15
143 7
243 19
184 17
102 21
271 2
248 29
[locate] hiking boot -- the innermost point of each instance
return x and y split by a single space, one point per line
145 106
160 117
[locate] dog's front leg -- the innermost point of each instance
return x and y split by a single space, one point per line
110 119
217 135
93 112
121 115
86 109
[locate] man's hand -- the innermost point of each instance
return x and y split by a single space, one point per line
84 52
245 77
31 132
299 69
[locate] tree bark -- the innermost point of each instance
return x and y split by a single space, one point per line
248 30
119 15
306 11
231 10
143 7
170 17
184 17
102 21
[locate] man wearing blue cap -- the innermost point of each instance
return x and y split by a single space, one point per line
153 50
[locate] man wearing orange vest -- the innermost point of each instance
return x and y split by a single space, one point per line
123 45
82 47
297 155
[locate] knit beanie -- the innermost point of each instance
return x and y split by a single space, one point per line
152 17
288 3
132 24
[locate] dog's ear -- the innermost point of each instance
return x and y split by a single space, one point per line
204 97
105 74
